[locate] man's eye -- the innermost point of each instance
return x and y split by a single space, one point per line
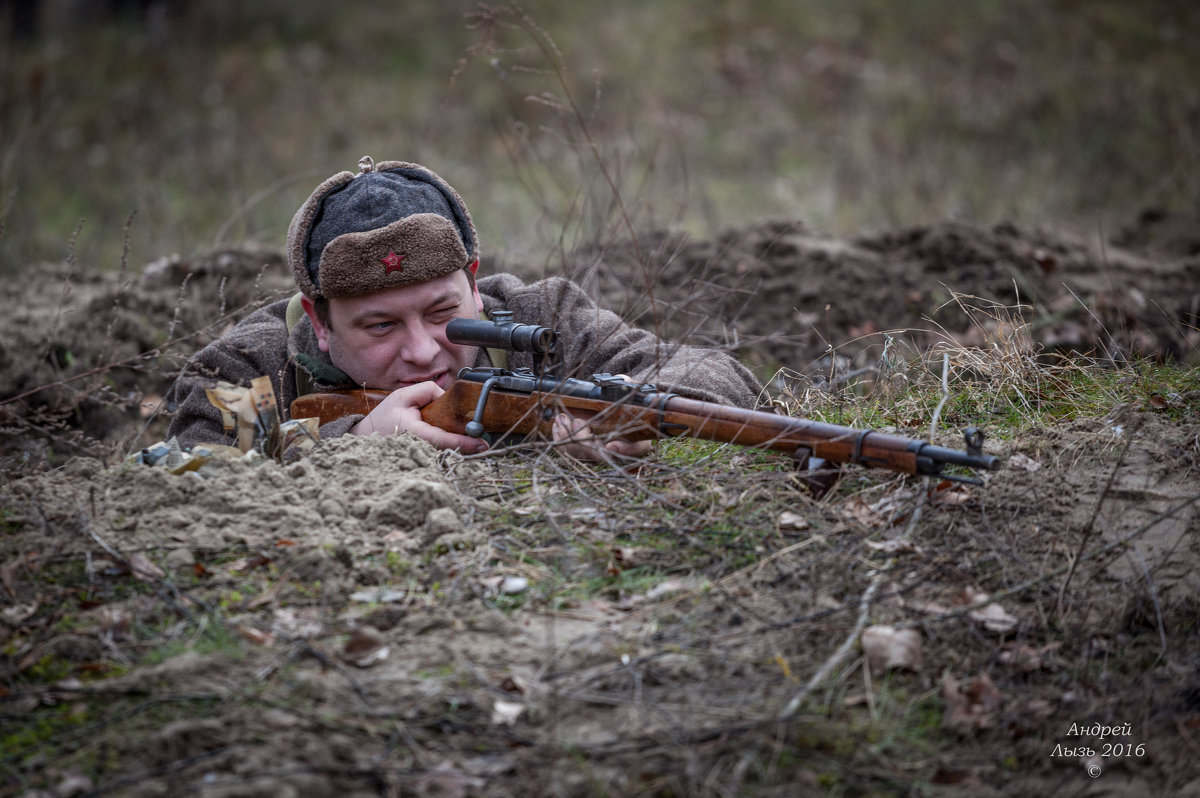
443 314
380 326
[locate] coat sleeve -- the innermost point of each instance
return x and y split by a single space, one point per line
256 346
594 340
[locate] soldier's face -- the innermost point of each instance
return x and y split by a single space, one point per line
397 337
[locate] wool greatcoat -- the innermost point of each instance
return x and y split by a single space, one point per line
591 340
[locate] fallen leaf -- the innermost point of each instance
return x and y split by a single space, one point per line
930 608
397 536
303 624
490 765
513 585
98 565
446 782
380 595
16 613
114 620
887 647
667 587
1023 462
994 618
1025 658
365 647
893 546
894 508
887 511
255 636
508 585
143 569
624 556
664 588
513 684
248 563
858 510
970 705
945 493
991 617
791 520
505 713
855 699
1045 260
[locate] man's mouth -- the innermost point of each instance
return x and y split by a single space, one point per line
442 378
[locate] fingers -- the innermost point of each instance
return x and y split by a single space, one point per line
401 412
579 441
416 395
630 448
448 440
567 426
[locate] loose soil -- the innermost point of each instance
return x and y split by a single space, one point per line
382 618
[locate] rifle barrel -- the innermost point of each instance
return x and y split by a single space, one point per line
525 404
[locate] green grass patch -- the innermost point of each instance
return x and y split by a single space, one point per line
212 638
1007 399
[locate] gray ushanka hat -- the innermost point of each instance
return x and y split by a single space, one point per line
390 225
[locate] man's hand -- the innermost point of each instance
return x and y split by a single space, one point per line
582 443
401 412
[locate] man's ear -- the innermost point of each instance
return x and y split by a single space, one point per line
318 326
473 268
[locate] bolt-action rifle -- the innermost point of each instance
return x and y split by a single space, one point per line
525 402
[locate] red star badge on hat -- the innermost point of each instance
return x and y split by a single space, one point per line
392 262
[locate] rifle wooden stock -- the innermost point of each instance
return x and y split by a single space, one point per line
333 405
659 416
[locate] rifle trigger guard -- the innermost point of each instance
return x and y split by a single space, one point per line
474 427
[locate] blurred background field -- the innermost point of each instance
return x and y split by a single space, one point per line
212 120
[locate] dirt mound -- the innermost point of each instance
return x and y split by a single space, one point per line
786 296
320 499
85 357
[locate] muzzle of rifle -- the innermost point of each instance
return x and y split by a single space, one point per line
502 333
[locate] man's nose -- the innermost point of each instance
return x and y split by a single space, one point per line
420 347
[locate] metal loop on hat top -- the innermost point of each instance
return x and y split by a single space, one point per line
366 165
